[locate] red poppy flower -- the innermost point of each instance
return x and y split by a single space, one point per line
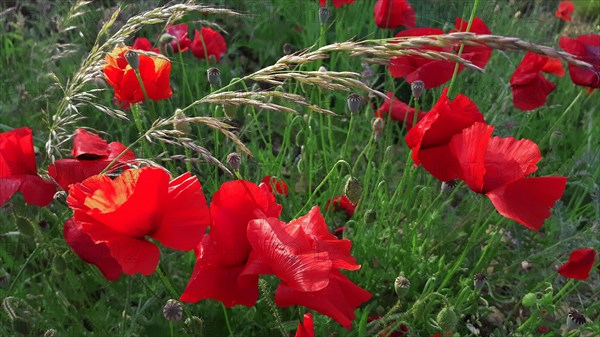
543 329
336 3
342 203
142 43
120 213
529 87
214 42
478 55
280 186
429 139
92 155
564 11
154 72
400 111
497 167
579 265
585 48
18 170
338 300
96 254
181 41
223 253
393 13
433 73
306 329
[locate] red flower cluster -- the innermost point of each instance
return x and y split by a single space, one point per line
453 141
529 87
112 218
18 170
399 111
181 42
247 239
342 203
579 265
437 72
91 155
394 13
336 3
585 48
564 11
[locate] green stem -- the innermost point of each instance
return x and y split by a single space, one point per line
227 320
308 202
560 119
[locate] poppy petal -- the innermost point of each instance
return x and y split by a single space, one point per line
508 160
8 187
579 265
87 250
469 149
306 328
88 146
528 201
533 93
393 13
37 191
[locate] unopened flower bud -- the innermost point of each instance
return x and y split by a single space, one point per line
479 281
377 126
353 189
447 320
234 160
575 319
231 111
50 333
287 49
166 38
354 103
555 139
21 326
25 226
529 300
401 286
180 124
370 216
214 76
173 310
59 265
133 59
300 138
195 325
324 15
212 59
417 88
322 69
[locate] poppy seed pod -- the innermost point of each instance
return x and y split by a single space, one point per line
173 310
447 320
377 126
180 124
354 103
133 59
287 49
353 190
529 300
324 15
401 286
166 38
417 88
479 281
214 76
575 319
234 160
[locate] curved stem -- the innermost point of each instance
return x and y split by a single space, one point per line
227 320
339 162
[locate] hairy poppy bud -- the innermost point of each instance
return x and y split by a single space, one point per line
370 216
231 111
234 160
59 265
25 226
322 69
180 124
214 76
133 59
300 138
479 281
323 15
377 126
166 38
447 320
401 286
287 49
173 310
529 300
555 139
354 103
417 88
575 319
195 325
353 189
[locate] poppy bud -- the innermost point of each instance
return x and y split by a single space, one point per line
21 326
354 103
212 59
173 310
323 15
195 325
166 38
300 138
377 126
529 300
575 319
180 124
214 76
479 281
370 216
447 320
234 160
230 111
59 265
25 226
417 88
401 286
322 69
448 186
287 49
133 59
555 139
50 333
353 189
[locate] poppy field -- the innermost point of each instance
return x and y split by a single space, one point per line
300 168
